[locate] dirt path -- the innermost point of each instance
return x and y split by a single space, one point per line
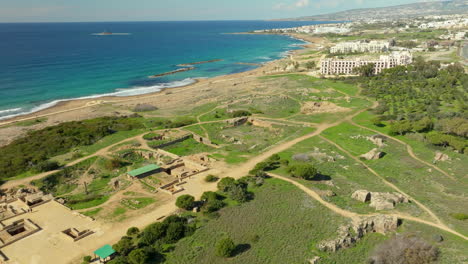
391 185
409 149
354 216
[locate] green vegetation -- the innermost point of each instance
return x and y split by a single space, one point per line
303 171
185 201
260 240
211 178
225 247
423 97
31 122
137 203
460 216
188 147
28 152
92 212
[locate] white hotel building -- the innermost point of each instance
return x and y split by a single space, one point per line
346 66
351 47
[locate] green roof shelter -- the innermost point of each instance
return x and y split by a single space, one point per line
144 171
105 253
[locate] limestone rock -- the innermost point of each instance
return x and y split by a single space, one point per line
441 156
315 260
386 201
349 234
374 154
361 195
377 140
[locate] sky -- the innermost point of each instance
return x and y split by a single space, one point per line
164 10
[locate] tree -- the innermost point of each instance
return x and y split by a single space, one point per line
174 232
133 231
152 233
311 65
238 193
304 171
365 70
185 201
423 125
377 121
119 260
400 127
124 246
47 166
225 247
138 256
226 183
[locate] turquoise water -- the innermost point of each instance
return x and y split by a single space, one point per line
43 63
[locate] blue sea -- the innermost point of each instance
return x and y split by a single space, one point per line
45 63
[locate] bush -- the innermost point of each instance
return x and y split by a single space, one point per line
211 178
311 65
138 256
124 246
87 259
303 171
240 113
47 166
238 193
405 249
226 183
225 248
133 231
185 201
459 216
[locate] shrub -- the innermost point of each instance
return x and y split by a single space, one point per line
310 65
211 178
225 248
240 113
185 201
138 256
226 183
304 171
87 259
238 193
405 249
47 166
124 246
459 216
133 231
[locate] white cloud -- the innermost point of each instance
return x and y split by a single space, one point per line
302 3
291 6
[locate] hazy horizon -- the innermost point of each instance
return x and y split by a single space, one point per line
47 11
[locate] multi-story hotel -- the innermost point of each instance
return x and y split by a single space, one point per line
351 47
346 66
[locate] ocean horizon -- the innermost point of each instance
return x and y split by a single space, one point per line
46 63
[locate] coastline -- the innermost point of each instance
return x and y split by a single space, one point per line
70 105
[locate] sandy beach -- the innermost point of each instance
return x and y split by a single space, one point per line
170 100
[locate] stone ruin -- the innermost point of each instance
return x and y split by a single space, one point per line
380 201
317 155
377 139
75 235
348 235
374 154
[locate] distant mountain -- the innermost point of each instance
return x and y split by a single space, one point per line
392 12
